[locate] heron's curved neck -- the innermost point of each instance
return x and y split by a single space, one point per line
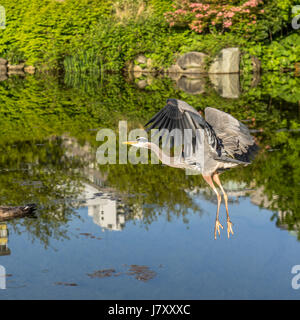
163 157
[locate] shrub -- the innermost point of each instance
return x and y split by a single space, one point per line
209 17
255 19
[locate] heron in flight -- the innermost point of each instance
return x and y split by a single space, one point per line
225 143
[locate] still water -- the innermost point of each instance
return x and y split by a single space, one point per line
145 231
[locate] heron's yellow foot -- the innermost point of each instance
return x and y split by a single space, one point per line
229 228
217 228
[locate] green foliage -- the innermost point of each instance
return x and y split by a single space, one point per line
160 6
118 44
42 30
64 33
283 54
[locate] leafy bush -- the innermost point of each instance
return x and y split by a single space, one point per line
256 19
115 32
41 31
118 44
211 17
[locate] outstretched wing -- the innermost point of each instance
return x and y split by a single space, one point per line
177 114
234 135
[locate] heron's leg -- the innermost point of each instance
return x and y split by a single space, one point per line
208 179
229 223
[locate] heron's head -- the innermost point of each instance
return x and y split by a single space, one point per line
140 142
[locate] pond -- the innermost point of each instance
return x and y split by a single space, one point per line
128 231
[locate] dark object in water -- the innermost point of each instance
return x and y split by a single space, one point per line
102 273
15 212
67 284
142 273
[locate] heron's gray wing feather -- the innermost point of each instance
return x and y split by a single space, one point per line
176 114
234 135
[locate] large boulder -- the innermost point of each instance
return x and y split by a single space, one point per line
228 61
193 60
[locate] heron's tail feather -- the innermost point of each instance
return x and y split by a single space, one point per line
249 155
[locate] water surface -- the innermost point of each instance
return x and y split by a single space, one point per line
145 231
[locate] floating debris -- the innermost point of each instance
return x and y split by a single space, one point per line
67 284
102 273
89 235
141 273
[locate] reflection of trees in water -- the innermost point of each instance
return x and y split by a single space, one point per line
49 172
36 172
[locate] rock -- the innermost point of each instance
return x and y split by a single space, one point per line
191 86
3 61
16 72
3 77
149 64
3 68
256 64
150 80
175 72
255 79
29 69
137 68
142 84
193 73
18 67
228 61
227 85
141 59
297 69
137 71
174 69
193 60
129 66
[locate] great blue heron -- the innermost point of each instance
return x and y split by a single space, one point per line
226 143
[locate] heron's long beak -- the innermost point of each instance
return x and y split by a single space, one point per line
130 142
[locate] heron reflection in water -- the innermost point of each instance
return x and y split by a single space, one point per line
226 143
